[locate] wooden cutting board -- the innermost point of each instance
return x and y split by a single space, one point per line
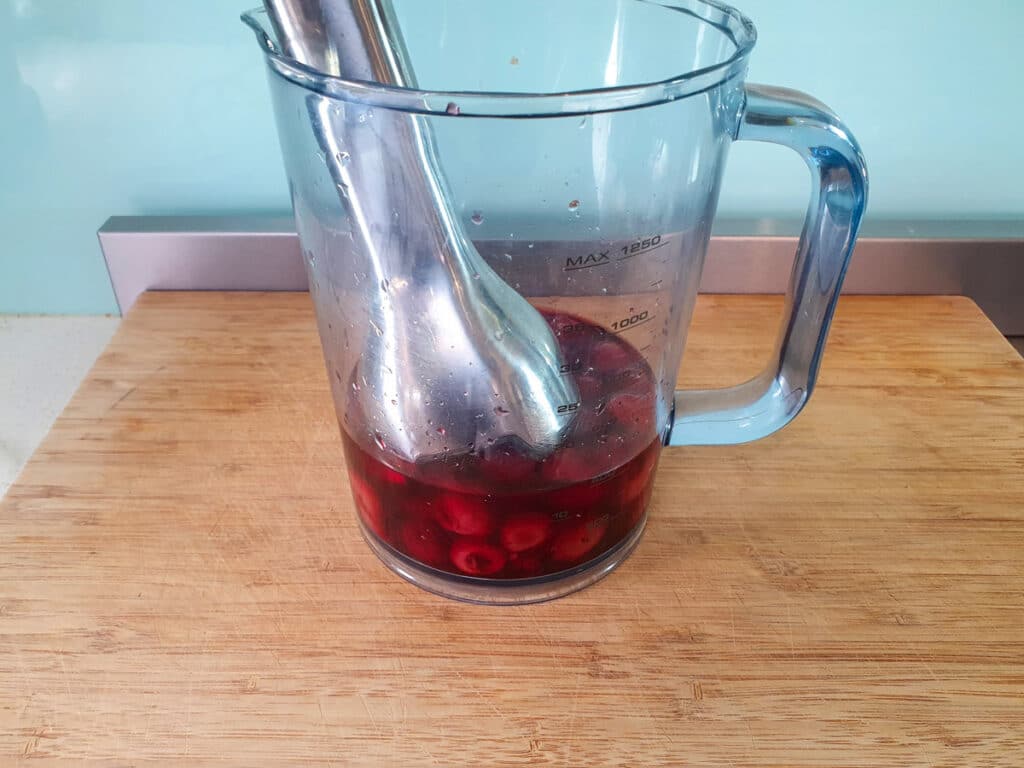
182 581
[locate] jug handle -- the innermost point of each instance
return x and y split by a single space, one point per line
771 400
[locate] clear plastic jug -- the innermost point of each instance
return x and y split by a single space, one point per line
587 176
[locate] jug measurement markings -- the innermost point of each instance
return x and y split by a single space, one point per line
591 260
638 247
569 368
632 321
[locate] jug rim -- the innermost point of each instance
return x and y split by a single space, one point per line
509 104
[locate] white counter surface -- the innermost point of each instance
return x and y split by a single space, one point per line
42 361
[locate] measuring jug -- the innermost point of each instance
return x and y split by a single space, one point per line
582 145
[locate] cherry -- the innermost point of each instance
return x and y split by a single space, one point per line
589 386
576 469
568 465
637 480
524 531
465 515
611 356
634 510
581 497
571 545
368 505
389 475
424 540
525 564
507 466
477 557
633 411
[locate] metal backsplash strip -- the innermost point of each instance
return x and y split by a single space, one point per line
979 259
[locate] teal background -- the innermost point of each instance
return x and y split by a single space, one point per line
155 107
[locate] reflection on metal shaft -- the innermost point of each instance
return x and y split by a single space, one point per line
453 358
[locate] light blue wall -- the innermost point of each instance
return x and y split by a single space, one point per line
157 107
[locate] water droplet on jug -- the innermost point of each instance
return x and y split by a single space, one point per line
355 387
442 431
453 108
394 402
343 157
384 285
530 246
501 411
476 275
377 328
508 257
583 122
378 438
477 218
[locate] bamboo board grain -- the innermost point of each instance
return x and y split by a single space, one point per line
182 582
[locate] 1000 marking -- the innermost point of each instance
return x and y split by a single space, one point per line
632 320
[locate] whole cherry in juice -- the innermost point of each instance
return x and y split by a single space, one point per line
505 515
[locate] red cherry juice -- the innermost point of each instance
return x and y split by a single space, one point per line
502 514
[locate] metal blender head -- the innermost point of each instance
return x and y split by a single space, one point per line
454 359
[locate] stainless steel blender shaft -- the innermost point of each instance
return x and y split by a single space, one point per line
454 359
